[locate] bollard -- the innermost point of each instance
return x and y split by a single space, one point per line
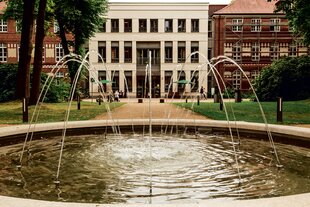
99 100
78 103
140 100
25 109
161 100
221 104
198 100
186 100
237 96
279 109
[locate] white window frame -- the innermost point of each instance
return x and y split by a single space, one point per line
59 52
56 27
3 26
275 25
274 51
255 51
60 74
3 52
254 74
256 25
237 25
292 50
236 79
236 51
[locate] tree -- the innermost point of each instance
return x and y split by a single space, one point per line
288 78
298 14
80 18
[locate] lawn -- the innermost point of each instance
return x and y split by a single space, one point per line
294 112
11 112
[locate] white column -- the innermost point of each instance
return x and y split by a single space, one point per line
93 45
108 46
121 51
188 50
175 52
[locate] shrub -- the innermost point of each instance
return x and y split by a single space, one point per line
59 90
8 74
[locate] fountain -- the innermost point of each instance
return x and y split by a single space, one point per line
198 160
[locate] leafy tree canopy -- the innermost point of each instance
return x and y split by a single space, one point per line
298 14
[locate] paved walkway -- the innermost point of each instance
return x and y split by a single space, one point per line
135 110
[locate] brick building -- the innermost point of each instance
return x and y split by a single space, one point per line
253 35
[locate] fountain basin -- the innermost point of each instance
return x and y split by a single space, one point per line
293 135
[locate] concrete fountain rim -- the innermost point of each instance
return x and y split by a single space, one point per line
299 133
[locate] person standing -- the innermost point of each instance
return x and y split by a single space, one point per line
116 96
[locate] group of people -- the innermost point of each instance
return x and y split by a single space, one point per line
203 93
118 95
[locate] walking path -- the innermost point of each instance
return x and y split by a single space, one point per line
135 110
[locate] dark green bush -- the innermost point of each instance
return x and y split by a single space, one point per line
288 78
59 90
8 74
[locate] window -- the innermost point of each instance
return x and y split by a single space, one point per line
236 79
43 54
103 27
114 25
195 25
293 50
3 26
255 51
194 81
274 51
60 75
102 75
168 25
254 74
168 52
56 27
181 25
181 52
275 25
115 80
3 52
168 80
114 52
181 86
236 51
256 25
59 52
127 25
128 81
154 25
210 28
195 48
128 52
142 25
18 26
102 51
237 25
210 54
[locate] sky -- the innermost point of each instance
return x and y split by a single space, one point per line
209 1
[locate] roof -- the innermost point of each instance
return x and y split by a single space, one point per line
249 7
215 7
2 7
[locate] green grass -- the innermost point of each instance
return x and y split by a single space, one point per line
11 112
294 112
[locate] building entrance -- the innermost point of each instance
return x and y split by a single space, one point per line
143 87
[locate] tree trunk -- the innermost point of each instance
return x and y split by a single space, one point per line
37 64
23 75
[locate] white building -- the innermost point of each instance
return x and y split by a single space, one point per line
171 31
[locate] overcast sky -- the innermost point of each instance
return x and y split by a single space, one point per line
209 1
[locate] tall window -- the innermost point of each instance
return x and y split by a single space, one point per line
256 25
274 51
210 28
254 74
128 52
56 27
194 80
168 52
3 52
168 77
181 25
154 25
103 27
195 48
181 76
102 51
127 25
43 54
114 52
168 25
59 52
237 25
255 51
181 52
114 25
142 25
115 80
195 25
275 25
293 50
237 79
102 75
128 81
3 26
236 51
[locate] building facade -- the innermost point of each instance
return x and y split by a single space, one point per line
10 42
250 33
170 31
